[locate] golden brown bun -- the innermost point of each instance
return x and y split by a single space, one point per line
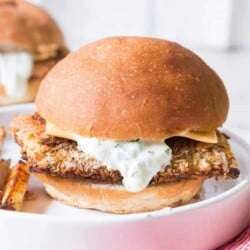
114 199
132 87
24 26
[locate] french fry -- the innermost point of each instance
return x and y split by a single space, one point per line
15 187
2 135
4 168
29 196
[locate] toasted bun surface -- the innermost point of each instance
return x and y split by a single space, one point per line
114 198
24 26
132 87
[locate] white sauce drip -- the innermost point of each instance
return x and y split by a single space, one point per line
15 71
137 161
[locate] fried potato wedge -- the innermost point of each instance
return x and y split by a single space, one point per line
30 196
2 135
4 169
15 187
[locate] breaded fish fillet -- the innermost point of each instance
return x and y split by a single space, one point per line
60 157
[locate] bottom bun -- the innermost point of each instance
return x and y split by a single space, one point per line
115 199
31 91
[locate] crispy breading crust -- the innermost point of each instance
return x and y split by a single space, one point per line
60 157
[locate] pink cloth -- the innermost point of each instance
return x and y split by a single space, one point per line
241 242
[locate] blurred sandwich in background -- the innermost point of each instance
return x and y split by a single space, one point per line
31 43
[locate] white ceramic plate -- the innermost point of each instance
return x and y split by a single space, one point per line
220 214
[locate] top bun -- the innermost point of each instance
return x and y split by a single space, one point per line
132 87
24 26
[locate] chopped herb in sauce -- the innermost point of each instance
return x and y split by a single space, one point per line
167 151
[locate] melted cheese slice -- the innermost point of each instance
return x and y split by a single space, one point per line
55 131
209 137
